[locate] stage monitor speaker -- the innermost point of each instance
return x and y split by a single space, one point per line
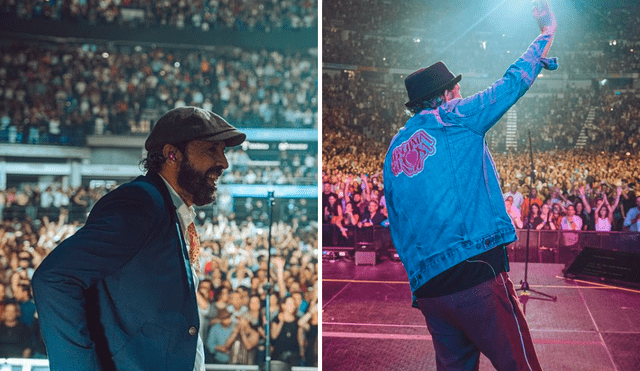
607 266
365 253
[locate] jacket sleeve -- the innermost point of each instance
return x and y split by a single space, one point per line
481 111
115 231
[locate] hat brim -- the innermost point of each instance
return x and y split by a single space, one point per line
231 138
430 94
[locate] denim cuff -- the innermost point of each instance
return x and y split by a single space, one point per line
549 63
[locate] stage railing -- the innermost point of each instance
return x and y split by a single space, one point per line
28 364
544 246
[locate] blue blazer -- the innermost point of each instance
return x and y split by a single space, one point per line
115 295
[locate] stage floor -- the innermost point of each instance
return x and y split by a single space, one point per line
368 323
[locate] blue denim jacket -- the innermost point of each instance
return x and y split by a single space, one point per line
441 185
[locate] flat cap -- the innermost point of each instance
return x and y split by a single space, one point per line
185 124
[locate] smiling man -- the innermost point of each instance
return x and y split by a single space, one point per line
120 293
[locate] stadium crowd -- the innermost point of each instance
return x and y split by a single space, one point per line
358 34
231 294
588 182
296 168
54 93
58 92
356 136
180 14
554 118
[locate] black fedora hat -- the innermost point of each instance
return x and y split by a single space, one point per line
185 124
427 82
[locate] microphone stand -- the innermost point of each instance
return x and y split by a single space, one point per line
267 286
525 284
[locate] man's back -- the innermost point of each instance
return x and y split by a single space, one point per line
442 189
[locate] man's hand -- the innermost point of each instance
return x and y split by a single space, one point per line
544 16
546 21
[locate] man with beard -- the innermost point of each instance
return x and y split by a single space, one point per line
120 293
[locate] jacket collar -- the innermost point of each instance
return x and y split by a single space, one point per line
156 181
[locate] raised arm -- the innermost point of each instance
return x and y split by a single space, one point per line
605 203
504 93
277 326
282 287
585 202
615 204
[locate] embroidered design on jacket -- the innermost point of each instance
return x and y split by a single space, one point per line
410 155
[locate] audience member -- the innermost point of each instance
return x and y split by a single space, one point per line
219 334
513 212
372 216
516 196
243 343
530 199
15 336
632 220
288 343
571 222
545 217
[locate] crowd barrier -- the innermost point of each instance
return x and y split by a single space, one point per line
27 364
545 246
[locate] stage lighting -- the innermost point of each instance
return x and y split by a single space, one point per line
416 40
603 82
105 55
176 65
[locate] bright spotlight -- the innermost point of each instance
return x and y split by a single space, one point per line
416 40
105 55
603 82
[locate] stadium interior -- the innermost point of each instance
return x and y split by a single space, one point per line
82 84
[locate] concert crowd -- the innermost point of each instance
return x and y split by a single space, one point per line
231 294
59 92
355 140
54 93
180 14
356 136
383 34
